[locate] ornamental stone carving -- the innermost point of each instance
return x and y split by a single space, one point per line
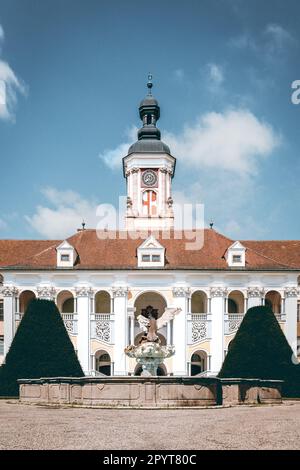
84 291
255 292
69 325
9 291
291 292
233 325
218 292
119 291
46 292
102 331
181 291
199 331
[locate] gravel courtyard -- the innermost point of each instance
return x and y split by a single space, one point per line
245 427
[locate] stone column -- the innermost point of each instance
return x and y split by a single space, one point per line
217 295
83 295
130 313
9 293
121 325
46 292
255 296
291 294
180 295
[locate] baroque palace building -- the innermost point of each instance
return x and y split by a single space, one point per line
102 283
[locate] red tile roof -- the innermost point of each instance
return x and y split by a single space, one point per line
95 253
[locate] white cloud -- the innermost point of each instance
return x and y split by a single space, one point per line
1 33
179 75
271 44
279 35
10 86
3 224
216 74
113 157
234 140
65 217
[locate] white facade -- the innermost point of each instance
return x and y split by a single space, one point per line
205 333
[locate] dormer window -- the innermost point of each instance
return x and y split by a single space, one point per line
236 255
151 254
66 255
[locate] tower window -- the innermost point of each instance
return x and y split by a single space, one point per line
149 120
149 203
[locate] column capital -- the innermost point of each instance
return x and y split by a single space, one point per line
9 291
291 291
181 291
84 291
255 292
119 291
131 312
218 292
46 292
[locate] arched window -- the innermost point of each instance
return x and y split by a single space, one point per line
102 302
65 302
198 362
199 302
103 362
236 302
149 203
24 300
273 301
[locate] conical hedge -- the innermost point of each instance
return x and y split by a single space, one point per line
260 350
41 348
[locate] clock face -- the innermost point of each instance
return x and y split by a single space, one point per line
149 178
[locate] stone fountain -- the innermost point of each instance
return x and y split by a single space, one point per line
149 354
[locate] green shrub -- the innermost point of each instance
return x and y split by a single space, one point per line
41 348
260 350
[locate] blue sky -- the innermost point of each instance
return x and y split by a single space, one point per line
75 72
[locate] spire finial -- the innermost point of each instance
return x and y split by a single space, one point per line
149 83
83 224
211 224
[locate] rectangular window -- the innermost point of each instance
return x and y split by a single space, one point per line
298 312
145 258
64 257
1 310
1 345
236 258
156 258
298 346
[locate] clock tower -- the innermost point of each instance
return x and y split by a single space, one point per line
149 168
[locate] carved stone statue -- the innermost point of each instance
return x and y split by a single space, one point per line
151 324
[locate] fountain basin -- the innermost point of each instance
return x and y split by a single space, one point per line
149 392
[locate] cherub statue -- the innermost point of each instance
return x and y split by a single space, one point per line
151 325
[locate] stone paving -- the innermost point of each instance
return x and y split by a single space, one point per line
244 427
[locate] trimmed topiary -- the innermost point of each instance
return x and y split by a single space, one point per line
260 350
41 348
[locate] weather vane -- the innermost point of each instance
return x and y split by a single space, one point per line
149 84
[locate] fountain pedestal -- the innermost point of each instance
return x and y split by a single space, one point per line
149 355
